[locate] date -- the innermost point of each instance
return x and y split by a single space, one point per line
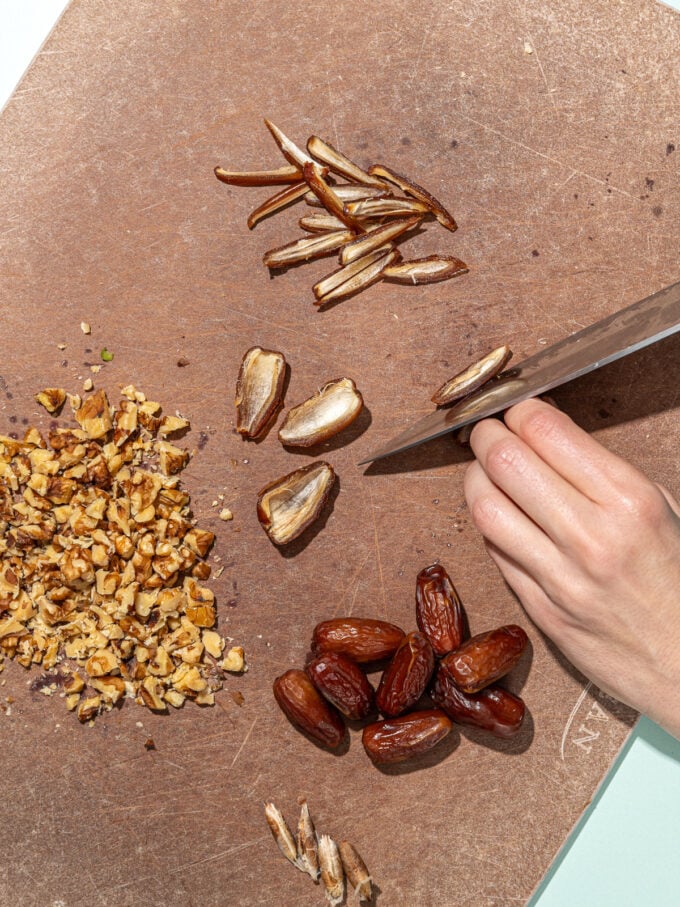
362 639
493 708
342 682
398 739
439 610
304 707
407 675
485 657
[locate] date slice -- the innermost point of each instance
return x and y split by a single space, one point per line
439 610
282 175
287 506
357 275
376 237
342 682
363 639
321 223
485 657
306 249
417 192
405 737
282 199
304 706
340 163
473 377
420 271
385 207
323 415
347 194
407 675
493 708
259 390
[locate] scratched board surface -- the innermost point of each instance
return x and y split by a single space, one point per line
551 132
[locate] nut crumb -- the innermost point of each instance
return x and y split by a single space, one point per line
85 327
226 515
88 384
235 660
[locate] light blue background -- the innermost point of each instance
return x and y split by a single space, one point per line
625 852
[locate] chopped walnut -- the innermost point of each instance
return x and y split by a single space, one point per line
101 567
52 398
235 660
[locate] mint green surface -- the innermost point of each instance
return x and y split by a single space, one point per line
625 851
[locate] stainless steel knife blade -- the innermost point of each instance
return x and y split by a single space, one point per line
624 332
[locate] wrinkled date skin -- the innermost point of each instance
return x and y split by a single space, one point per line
304 706
342 682
493 708
439 610
360 638
398 739
485 657
407 675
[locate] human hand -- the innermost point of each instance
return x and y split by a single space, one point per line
590 546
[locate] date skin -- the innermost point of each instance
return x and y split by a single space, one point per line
398 739
407 675
439 610
304 707
362 639
342 682
485 657
493 708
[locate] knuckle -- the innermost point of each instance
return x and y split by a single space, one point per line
646 504
485 512
542 423
506 456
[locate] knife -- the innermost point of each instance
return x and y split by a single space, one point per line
624 332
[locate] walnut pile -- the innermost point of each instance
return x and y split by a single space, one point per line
101 564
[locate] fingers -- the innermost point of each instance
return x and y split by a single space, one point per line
583 463
509 529
548 499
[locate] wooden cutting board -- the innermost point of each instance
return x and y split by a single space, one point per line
551 132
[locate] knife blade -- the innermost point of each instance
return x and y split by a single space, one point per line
630 329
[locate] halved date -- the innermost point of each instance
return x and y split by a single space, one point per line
398 739
342 682
335 406
493 708
304 707
485 657
407 675
439 610
259 390
363 639
287 506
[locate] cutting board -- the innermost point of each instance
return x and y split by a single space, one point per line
550 130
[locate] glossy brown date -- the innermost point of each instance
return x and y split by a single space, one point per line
493 708
439 610
398 739
304 706
485 657
342 682
362 639
407 675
